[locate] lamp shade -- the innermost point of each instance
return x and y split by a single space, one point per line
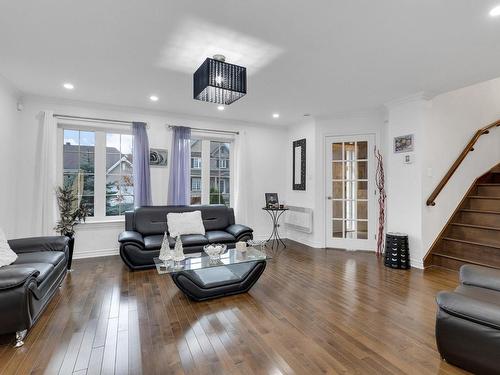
219 82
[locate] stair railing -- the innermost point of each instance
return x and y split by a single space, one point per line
460 159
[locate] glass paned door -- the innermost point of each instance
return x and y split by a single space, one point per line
348 182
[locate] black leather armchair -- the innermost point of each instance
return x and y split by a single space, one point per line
27 285
145 226
468 321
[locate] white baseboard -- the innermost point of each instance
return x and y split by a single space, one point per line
417 263
96 253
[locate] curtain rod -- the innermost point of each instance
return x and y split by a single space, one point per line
210 130
68 117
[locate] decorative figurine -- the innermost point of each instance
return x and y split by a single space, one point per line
165 251
178 250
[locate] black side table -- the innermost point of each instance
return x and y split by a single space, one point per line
275 214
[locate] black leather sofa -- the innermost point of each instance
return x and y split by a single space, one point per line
28 285
145 226
468 321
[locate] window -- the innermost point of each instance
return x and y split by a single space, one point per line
211 173
78 164
99 166
119 179
195 163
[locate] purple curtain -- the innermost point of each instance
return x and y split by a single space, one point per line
178 183
142 179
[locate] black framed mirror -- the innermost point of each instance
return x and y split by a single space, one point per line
299 165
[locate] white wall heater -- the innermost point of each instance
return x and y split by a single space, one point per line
299 219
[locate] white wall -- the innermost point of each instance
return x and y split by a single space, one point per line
455 117
315 132
9 157
442 127
265 160
404 181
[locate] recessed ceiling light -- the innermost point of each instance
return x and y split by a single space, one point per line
68 86
276 115
495 12
221 108
153 98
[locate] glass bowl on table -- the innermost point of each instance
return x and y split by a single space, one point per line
214 251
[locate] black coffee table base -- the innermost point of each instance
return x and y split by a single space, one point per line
215 282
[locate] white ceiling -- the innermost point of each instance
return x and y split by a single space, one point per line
318 57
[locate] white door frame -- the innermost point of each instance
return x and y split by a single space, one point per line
342 243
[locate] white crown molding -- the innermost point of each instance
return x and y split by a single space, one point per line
10 87
420 96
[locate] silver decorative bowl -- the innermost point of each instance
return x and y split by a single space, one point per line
214 251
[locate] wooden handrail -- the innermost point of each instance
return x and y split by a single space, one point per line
460 159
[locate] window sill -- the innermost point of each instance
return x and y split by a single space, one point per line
102 222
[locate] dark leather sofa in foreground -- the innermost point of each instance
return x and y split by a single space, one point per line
28 285
145 226
468 321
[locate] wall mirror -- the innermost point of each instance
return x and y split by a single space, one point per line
299 165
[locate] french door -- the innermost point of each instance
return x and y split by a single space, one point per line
350 194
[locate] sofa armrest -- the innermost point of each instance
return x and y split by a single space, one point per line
482 277
471 309
131 236
11 277
237 230
34 244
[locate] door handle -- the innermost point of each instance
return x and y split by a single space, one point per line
329 198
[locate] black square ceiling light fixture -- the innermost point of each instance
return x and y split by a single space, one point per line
217 81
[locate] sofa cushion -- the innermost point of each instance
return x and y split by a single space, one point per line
189 240
7 256
219 236
180 223
44 269
51 257
153 242
11 276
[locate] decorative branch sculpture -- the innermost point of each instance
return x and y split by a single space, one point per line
380 182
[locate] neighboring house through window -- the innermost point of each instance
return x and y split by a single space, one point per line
211 173
98 165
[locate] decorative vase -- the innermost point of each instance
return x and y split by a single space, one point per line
178 250
165 251
71 247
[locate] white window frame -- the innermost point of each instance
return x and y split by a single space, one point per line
199 184
205 139
100 131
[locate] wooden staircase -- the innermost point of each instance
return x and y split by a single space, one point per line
472 235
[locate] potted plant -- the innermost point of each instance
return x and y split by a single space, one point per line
72 211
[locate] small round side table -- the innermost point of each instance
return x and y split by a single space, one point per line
275 214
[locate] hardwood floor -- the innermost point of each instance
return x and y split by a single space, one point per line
312 312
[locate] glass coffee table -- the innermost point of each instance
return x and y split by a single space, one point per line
202 278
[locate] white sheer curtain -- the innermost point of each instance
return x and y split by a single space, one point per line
241 178
45 210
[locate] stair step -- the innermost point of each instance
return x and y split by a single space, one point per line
471 242
463 261
489 184
483 197
475 226
480 211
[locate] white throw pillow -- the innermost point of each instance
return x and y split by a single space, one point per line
7 256
185 223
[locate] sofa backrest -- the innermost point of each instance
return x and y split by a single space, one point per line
151 220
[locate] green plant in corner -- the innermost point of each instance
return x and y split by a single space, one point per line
72 211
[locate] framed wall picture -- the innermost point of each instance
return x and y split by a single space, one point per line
299 165
404 143
158 157
272 200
